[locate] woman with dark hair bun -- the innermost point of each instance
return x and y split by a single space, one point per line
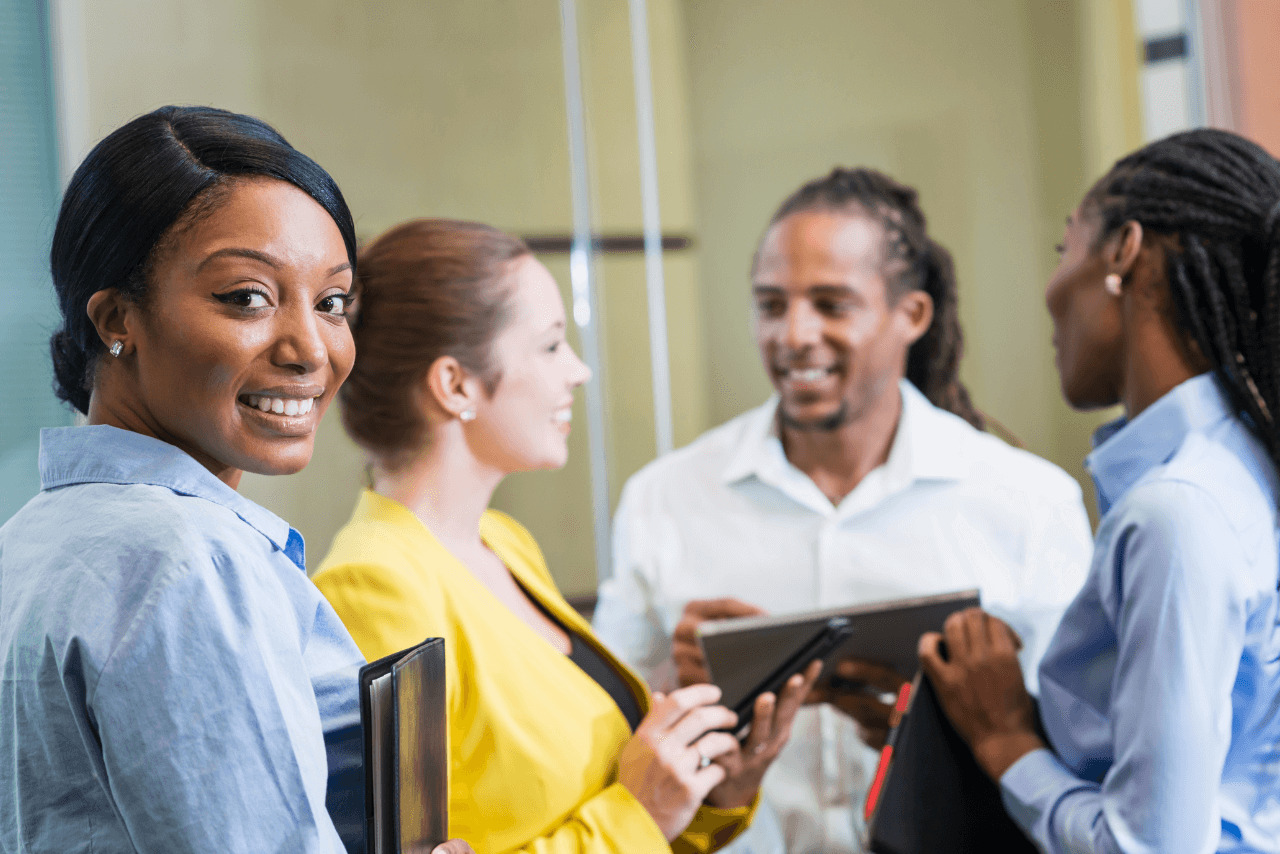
556 747
170 679
1160 691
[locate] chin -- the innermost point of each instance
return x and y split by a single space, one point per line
815 418
288 461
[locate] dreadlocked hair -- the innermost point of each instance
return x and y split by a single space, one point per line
913 262
1216 196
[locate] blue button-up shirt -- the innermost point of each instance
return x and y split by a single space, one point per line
1160 692
170 680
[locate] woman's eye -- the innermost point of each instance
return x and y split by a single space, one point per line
770 307
244 298
554 347
1060 248
336 304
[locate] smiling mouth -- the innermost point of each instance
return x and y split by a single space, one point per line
806 375
290 407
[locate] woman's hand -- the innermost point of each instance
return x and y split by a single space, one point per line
770 728
663 766
980 687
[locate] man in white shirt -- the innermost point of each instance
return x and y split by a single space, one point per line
849 486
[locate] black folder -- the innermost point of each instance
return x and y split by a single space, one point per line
930 794
406 770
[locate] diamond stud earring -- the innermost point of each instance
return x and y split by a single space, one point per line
1112 284
117 347
467 415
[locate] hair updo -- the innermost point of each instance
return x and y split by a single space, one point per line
163 169
427 288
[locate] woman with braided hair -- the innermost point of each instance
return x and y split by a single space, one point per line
1160 692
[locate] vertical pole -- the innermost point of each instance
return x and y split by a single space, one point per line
655 284
583 281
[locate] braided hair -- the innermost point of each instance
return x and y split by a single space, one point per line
914 262
1216 197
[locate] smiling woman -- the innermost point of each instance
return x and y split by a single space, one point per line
171 680
463 377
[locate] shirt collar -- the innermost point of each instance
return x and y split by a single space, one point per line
928 443
1125 450
103 454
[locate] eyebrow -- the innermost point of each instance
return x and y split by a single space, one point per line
261 257
812 289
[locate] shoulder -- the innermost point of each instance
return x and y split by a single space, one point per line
1181 527
374 557
993 464
136 535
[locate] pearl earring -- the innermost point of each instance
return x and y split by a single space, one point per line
117 347
1112 284
467 415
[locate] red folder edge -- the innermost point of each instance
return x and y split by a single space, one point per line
886 754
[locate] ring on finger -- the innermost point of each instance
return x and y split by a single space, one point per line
704 760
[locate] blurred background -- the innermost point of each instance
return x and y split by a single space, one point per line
597 128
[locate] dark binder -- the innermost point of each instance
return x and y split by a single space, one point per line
929 793
406 771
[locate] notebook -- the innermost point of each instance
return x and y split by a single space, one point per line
744 654
929 793
403 715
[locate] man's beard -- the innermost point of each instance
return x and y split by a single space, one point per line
832 422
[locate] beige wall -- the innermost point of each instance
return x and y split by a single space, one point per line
998 110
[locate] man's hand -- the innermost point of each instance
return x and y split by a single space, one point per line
691 667
865 692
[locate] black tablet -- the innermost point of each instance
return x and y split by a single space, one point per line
745 654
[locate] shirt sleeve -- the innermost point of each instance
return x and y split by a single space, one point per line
1180 633
210 733
626 618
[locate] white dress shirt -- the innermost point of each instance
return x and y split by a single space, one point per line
729 515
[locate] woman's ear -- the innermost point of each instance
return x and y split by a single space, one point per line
1124 248
452 387
113 318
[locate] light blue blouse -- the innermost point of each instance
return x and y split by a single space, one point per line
170 680
1160 691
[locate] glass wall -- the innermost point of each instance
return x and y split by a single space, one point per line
28 205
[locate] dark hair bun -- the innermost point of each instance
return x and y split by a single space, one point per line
70 370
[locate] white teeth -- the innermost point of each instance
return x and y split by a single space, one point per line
564 416
280 405
808 374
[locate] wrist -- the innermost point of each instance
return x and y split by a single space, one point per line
997 753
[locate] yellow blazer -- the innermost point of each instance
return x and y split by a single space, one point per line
533 741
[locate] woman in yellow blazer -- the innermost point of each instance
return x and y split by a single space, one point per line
463 376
